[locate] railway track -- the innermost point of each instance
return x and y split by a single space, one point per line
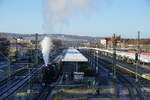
142 72
46 91
134 91
17 84
12 79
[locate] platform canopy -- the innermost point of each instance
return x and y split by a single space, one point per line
142 58
73 55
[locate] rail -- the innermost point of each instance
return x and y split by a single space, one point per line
130 85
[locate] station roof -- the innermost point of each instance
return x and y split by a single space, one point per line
73 55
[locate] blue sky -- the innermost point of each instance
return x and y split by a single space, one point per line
123 17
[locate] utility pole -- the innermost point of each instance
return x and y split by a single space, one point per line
114 56
16 44
94 64
114 67
137 55
97 67
36 48
29 82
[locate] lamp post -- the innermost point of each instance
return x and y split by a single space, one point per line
36 49
114 57
97 67
16 49
137 55
114 66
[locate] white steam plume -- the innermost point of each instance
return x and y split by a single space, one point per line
46 45
59 11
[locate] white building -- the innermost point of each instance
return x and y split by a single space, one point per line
103 42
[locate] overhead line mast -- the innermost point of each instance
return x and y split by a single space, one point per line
114 56
137 55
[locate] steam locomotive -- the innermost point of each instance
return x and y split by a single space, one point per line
50 74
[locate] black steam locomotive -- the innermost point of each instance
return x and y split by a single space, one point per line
50 74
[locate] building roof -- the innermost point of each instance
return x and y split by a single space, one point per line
113 38
73 55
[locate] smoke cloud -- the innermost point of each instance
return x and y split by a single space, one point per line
60 11
46 45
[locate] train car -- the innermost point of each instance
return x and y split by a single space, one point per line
50 74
